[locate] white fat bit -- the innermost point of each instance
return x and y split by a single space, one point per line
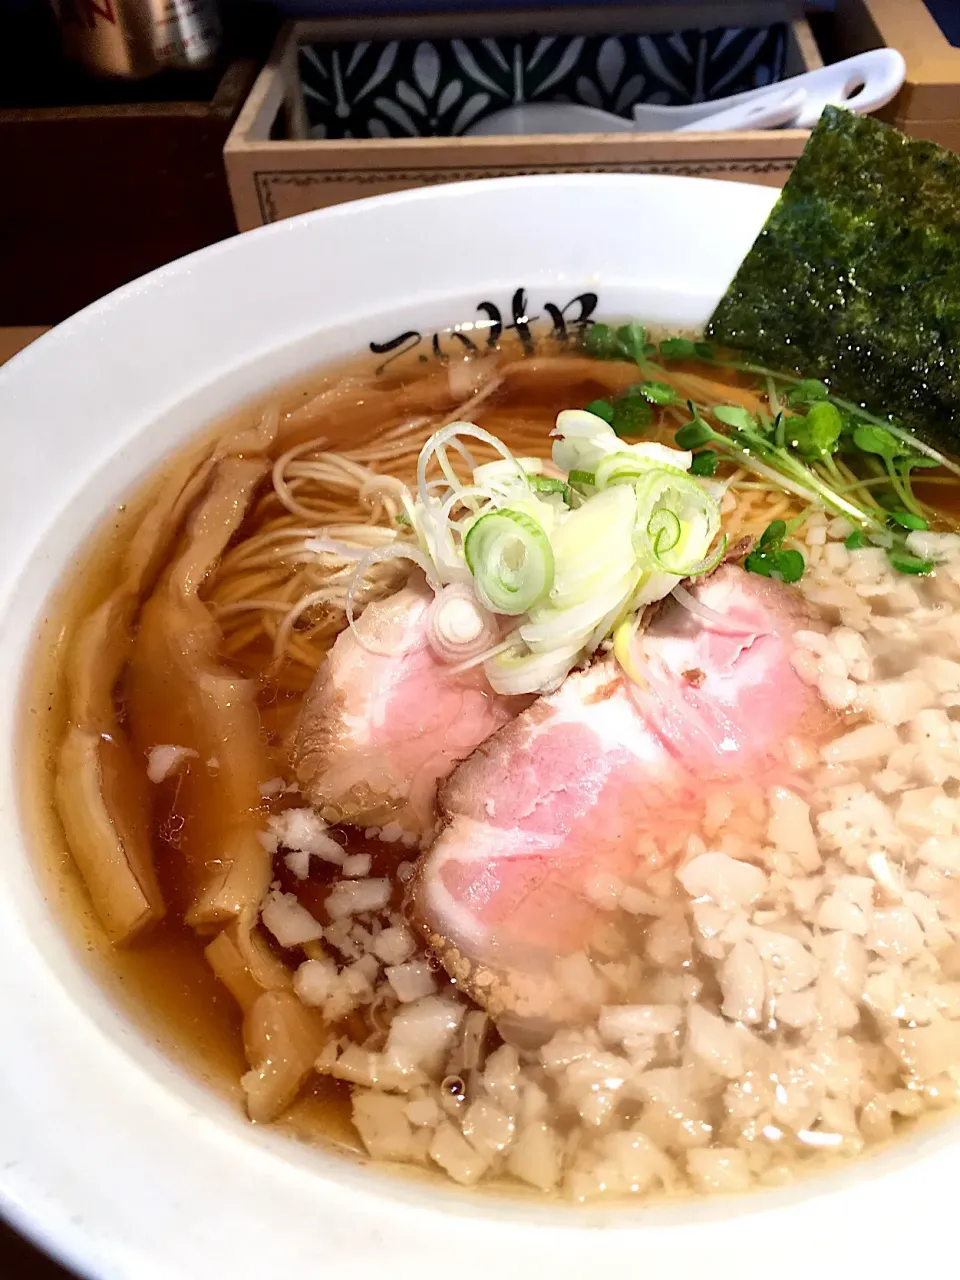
536 1156
289 922
838 912
354 986
357 864
315 980
796 1008
411 981
927 1051
894 934
487 1128
719 1169
789 828
424 1113
927 811
298 863
501 1076
894 702
744 984
788 964
394 945
578 976
454 1154
352 897
942 673
302 831
618 1023
729 883
383 1126
844 960
878 864
165 760
354 1064
421 1034
868 742
942 853
715 1042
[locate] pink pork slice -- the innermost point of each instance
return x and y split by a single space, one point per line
383 724
556 801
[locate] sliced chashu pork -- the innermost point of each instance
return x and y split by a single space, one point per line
385 720
540 817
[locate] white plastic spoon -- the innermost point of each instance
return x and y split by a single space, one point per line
549 117
862 84
768 113
571 117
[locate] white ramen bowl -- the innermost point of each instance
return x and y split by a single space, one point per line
111 1155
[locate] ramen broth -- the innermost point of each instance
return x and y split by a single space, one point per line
687 935
164 981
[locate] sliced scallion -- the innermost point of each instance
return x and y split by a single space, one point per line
510 557
625 467
550 484
582 479
677 521
665 531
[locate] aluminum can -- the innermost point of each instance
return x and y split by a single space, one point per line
133 39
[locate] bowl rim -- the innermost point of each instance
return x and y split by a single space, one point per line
537 1236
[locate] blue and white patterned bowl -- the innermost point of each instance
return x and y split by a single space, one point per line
422 88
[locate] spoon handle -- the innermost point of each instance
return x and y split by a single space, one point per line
862 83
767 113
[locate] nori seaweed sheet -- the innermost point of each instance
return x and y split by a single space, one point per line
855 277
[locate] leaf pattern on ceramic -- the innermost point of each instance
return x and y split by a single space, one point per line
550 64
475 108
343 76
421 88
611 61
747 58
482 64
426 68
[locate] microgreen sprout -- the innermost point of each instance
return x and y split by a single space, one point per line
771 559
659 393
626 342
629 414
602 408
817 446
705 463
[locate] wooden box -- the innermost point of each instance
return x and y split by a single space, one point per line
274 175
98 194
928 105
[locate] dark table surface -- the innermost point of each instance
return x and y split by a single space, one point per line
21 1261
